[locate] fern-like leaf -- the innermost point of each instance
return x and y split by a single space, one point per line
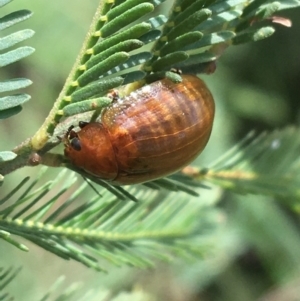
266 164
195 33
12 104
103 227
75 292
6 277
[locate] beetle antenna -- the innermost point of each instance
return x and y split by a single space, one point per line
91 185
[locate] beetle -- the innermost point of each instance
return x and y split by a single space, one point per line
153 132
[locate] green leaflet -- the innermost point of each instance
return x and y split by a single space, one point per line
194 62
15 38
253 35
133 76
96 71
126 18
134 60
133 32
170 59
86 105
211 39
116 11
216 22
189 24
181 42
14 18
174 77
12 101
10 112
187 12
14 84
157 21
15 55
268 10
125 46
150 36
96 88
222 6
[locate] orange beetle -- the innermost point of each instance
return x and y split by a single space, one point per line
153 132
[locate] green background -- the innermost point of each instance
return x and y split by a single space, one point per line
256 86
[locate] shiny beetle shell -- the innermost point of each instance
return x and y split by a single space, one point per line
153 132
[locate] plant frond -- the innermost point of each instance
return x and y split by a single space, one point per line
12 104
267 164
6 277
176 182
218 22
195 33
104 230
75 291
68 294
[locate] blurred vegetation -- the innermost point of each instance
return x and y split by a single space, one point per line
256 86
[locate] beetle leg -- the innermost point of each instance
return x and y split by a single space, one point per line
69 131
72 134
129 173
114 95
65 138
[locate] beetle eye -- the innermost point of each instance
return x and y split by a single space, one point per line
75 144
